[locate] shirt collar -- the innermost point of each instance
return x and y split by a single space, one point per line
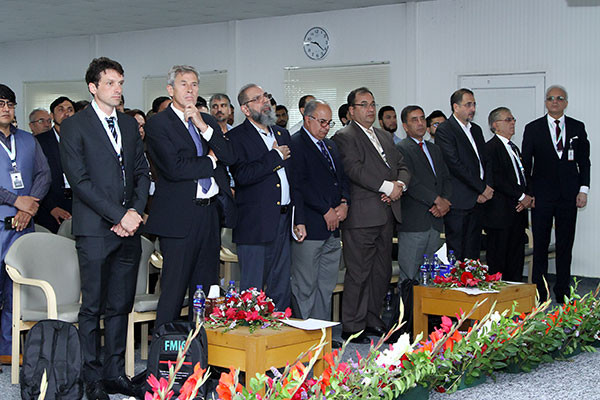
503 139
363 128
417 140
179 113
101 114
551 120
267 133
314 139
467 127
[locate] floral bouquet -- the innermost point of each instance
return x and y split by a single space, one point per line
250 308
470 273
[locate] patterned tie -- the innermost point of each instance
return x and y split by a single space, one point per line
559 143
376 143
204 182
111 125
326 155
515 149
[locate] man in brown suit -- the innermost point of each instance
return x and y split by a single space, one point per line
378 177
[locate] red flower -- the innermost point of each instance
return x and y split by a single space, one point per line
186 390
251 316
446 324
466 276
225 386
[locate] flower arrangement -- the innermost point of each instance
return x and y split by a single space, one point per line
470 273
250 308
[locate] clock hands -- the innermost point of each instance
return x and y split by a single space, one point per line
313 42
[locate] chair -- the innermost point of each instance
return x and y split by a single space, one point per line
45 272
39 228
228 257
64 229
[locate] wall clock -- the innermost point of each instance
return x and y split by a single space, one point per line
316 43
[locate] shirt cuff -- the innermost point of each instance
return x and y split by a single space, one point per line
213 159
11 198
280 153
386 187
522 197
584 189
207 134
404 187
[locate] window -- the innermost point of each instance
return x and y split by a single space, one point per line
42 94
332 84
210 83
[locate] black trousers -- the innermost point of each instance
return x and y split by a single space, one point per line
565 217
506 248
108 270
189 261
463 232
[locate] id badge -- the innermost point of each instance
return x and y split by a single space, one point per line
571 155
17 180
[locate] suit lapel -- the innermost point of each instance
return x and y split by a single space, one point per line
462 136
421 156
367 144
506 159
180 128
98 129
314 150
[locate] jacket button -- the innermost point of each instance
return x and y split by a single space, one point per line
278 185
278 203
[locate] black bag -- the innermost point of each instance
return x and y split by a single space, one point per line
52 346
166 341
405 292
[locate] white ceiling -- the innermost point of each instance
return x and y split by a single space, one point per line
38 19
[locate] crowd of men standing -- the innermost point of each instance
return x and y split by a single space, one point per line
290 196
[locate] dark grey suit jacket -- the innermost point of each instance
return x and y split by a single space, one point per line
100 200
425 186
366 171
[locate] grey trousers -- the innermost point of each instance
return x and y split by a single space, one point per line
315 265
412 246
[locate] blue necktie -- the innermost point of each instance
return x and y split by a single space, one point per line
326 155
204 182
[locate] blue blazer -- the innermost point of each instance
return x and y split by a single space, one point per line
316 187
257 184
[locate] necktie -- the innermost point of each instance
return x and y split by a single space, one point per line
326 155
111 126
421 144
515 149
204 182
376 143
559 143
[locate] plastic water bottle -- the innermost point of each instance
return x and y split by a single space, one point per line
199 304
388 300
436 267
230 290
424 271
451 258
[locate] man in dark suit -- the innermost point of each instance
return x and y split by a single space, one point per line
506 213
321 194
426 200
463 147
263 197
56 206
103 158
378 177
556 156
188 149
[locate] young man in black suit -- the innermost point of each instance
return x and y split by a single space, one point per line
103 158
556 156
463 147
506 213
189 151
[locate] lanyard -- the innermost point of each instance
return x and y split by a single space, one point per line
12 153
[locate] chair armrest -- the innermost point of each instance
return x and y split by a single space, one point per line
156 259
48 290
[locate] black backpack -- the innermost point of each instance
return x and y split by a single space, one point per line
52 346
166 341
405 292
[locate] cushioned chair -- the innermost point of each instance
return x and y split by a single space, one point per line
39 228
230 269
64 229
45 272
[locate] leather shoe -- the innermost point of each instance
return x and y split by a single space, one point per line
95 391
6 359
121 384
361 339
375 331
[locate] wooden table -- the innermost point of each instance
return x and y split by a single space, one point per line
265 348
429 300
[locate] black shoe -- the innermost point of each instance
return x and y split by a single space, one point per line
361 339
95 391
121 385
379 332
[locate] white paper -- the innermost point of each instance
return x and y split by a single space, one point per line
441 253
213 292
474 291
310 324
293 215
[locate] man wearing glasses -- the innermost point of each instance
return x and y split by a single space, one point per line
556 157
434 120
263 196
321 195
39 121
378 177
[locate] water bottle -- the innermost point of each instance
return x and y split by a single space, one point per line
388 300
424 271
436 267
199 304
451 258
230 290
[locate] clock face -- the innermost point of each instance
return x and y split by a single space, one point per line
316 43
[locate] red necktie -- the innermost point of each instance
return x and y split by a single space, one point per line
559 143
421 146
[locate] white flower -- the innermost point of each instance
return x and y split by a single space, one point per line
366 381
392 355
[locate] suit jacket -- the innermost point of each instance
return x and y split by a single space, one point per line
366 171
425 186
507 191
316 187
257 184
55 196
100 198
462 162
556 180
173 152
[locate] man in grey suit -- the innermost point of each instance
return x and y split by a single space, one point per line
378 177
426 200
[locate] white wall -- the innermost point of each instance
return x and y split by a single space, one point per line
428 44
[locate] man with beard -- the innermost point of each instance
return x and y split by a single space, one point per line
263 196
388 121
281 112
220 109
433 121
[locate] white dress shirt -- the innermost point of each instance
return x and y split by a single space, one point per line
467 130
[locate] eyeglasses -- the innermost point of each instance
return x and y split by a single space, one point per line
10 104
509 120
41 121
263 97
365 105
436 124
557 98
323 122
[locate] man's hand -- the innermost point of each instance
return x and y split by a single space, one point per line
28 204
581 200
60 214
130 222
21 220
120 231
481 199
386 199
488 193
284 149
442 204
331 219
397 191
212 153
342 211
300 231
525 203
191 112
435 211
